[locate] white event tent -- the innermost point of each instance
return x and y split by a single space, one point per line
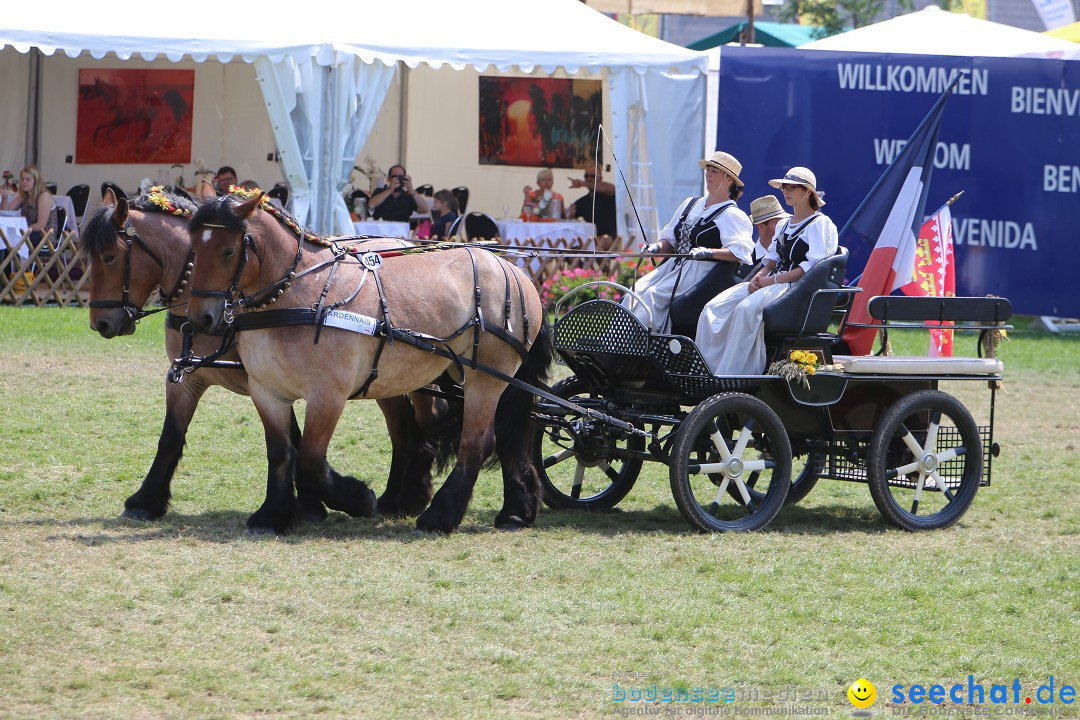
933 31
325 66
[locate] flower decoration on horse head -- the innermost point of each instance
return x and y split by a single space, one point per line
158 197
264 204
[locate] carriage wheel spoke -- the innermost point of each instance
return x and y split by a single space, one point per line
744 494
611 472
744 438
715 504
918 493
557 457
941 484
912 444
721 445
579 475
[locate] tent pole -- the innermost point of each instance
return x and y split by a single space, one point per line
33 111
403 116
749 22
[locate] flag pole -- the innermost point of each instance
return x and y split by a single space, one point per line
922 125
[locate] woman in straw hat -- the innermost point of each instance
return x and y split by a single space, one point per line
710 230
730 333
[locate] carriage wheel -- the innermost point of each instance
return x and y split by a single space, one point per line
805 470
925 478
722 443
580 472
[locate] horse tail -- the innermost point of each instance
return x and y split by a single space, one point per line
513 416
444 439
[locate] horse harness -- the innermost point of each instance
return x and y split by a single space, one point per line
168 300
384 328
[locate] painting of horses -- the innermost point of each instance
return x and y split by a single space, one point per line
539 122
134 116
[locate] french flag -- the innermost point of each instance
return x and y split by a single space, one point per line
890 217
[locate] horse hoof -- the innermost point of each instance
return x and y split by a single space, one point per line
260 531
511 524
387 507
313 518
138 514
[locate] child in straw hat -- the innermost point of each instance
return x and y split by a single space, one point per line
730 332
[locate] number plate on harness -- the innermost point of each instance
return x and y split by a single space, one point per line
350 321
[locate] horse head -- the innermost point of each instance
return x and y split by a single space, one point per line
135 249
226 259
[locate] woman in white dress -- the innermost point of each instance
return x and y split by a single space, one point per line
704 229
730 332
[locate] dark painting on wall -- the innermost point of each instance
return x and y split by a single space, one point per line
134 116
539 122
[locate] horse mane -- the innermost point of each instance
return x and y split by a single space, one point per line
222 211
99 233
217 211
151 202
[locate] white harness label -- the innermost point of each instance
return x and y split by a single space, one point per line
350 321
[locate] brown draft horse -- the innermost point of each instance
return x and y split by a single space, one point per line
138 249
421 306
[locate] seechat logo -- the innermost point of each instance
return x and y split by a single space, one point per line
974 693
862 695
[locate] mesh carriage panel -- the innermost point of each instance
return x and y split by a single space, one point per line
840 467
602 326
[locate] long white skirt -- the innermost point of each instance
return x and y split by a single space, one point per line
731 332
655 290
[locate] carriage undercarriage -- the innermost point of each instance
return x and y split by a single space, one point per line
739 448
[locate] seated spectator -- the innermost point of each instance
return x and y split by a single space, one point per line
604 193
543 203
33 201
443 214
398 200
225 177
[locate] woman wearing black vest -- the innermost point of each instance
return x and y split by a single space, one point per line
730 333
705 233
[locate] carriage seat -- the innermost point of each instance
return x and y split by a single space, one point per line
805 309
917 365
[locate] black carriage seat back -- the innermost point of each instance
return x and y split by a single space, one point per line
904 309
804 309
687 306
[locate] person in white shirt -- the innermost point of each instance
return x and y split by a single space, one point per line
730 332
706 234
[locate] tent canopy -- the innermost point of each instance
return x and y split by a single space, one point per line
769 34
1069 32
933 31
324 80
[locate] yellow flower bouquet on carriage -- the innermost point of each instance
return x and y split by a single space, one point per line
799 366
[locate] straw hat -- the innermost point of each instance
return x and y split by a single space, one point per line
800 176
727 163
766 208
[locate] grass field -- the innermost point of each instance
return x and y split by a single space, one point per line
189 618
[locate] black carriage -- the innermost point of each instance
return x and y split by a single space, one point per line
739 447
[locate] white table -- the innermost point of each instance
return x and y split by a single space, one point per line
14 227
557 234
381 228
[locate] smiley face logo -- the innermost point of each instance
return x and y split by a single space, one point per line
862 693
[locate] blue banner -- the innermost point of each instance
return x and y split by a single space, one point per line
1010 139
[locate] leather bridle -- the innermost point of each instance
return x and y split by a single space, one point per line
136 313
